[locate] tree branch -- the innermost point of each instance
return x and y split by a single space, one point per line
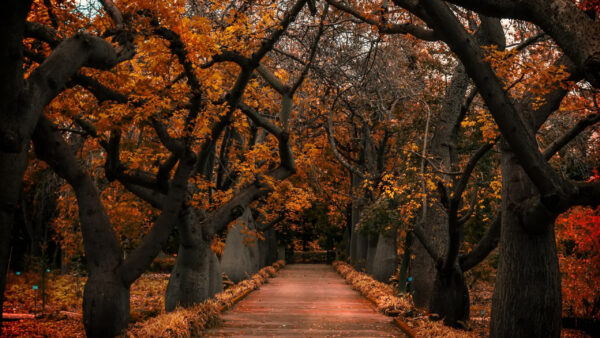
387 28
487 244
580 126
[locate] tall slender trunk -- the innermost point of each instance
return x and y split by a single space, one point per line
527 296
405 263
358 240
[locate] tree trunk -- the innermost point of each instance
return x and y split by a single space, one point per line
527 296
240 260
105 305
450 298
385 261
358 241
268 248
371 250
12 168
360 250
403 274
193 277
423 268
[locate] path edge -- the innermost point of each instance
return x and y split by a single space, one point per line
397 317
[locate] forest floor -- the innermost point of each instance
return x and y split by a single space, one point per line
61 316
62 313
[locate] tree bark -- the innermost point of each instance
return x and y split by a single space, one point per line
105 304
12 169
527 296
358 240
240 260
372 239
195 273
450 297
385 260
13 158
443 150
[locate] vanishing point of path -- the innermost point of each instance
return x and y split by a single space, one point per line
307 300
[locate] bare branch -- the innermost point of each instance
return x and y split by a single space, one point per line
580 126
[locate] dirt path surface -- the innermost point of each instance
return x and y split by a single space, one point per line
308 300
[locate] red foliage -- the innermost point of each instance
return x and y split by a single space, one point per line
579 244
588 5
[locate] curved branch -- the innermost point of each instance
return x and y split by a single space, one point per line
386 28
336 153
580 126
487 244
551 186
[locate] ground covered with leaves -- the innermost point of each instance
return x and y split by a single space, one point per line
60 315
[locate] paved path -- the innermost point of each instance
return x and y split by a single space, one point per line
308 300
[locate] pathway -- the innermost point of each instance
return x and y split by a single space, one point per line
308 300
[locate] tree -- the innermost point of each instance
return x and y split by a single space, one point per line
556 194
528 260
23 99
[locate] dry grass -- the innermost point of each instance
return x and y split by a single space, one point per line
391 304
190 322
383 295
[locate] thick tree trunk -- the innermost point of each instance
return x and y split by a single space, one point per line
359 240
240 260
13 158
105 305
527 296
450 297
360 250
385 261
196 274
196 277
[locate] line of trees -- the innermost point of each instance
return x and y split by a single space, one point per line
411 121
